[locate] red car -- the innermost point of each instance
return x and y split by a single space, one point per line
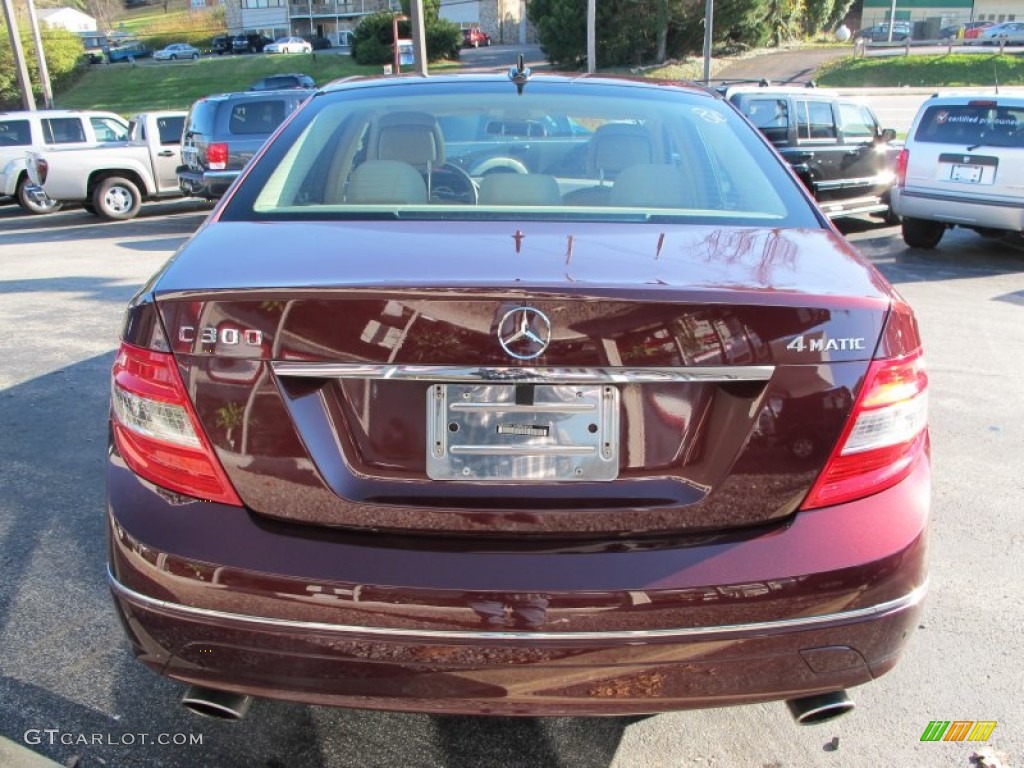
474 37
492 394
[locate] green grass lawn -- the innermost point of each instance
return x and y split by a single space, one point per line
150 85
957 69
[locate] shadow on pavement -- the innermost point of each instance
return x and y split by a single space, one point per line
64 662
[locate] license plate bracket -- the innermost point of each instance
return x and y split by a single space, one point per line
514 433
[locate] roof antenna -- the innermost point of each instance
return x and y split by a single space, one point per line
519 74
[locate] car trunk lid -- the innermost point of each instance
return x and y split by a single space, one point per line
694 378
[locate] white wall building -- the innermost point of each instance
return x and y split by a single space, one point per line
67 18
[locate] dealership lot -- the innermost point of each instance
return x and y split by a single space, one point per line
64 281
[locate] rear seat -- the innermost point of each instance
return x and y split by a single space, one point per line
654 185
519 189
386 182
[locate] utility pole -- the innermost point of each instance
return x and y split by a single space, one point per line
44 72
591 36
709 17
20 70
419 36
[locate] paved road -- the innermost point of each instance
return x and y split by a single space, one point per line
499 57
786 66
63 662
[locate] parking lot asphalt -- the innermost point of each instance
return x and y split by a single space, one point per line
70 689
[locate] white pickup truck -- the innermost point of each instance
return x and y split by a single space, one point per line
112 180
24 132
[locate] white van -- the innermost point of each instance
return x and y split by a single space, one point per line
962 166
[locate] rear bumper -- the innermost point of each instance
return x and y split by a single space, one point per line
965 212
859 206
211 595
207 184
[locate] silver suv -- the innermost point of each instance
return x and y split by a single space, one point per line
224 131
962 166
24 132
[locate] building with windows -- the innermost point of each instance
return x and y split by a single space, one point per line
944 11
504 20
331 19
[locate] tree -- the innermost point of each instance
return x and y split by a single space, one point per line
783 21
105 12
562 30
817 14
839 11
63 51
372 39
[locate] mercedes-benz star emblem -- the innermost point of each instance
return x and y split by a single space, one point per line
524 332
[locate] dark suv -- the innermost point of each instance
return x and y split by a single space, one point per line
223 132
250 43
834 144
221 44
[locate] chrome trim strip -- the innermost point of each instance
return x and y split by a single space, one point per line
683 633
525 375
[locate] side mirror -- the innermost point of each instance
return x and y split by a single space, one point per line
887 135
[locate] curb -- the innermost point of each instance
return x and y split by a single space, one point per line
16 756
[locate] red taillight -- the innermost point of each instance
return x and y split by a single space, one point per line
886 433
901 167
217 156
156 429
42 169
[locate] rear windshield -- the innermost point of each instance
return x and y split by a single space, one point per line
252 116
972 125
479 150
201 118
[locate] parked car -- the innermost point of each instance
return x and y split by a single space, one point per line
320 43
249 43
386 434
177 51
966 31
474 37
834 143
223 132
289 45
221 44
879 33
283 82
127 51
961 167
974 29
112 180
24 132
1009 33
95 46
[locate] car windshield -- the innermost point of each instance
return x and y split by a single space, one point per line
472 150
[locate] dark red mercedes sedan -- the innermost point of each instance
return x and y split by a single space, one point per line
520 395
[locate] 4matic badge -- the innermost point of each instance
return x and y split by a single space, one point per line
825 344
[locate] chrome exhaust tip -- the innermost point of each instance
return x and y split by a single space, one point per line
812 710
220 705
